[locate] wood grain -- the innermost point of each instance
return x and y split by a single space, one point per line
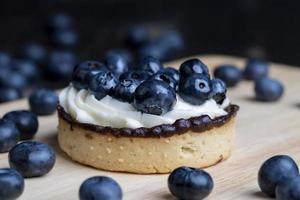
264 129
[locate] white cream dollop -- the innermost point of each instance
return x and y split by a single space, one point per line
85 108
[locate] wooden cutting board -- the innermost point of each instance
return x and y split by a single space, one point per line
263 130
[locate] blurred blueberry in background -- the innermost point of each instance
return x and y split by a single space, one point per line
60 21
65 39
165 47
27 68
60 65
137 36
5 59
15 80
126 54
9 94
33 51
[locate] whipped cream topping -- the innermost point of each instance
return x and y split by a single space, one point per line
85 108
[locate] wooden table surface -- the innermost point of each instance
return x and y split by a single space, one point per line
263 130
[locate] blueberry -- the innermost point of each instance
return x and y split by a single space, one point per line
190 184
102 83
218 90
60 21
83 70
193 66
154 97
166 46
172 42
59 72
100 188
26 67
4 74
5 59
162 76
33 51
15 80
26 122
65 38
9 135
274 170
43 102
32 159
174 73
60 66
288 189
268 89
256 69
124 90
153 50
11 184
125 54
58 56
135 75
173 39
230 74
137 36
9 94
117 63
150 64
195 89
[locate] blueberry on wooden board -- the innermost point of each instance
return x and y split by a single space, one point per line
188 183
11 184
9 135
100 188
268 90
274 170
288 189
256 69
26 122
43 102
230 74
32 159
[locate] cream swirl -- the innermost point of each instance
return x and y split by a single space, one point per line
85 108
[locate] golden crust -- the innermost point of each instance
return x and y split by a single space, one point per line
146 155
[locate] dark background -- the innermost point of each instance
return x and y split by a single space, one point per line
262 28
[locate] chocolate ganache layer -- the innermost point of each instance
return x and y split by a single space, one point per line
180 126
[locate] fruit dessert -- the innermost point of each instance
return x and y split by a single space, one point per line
145 119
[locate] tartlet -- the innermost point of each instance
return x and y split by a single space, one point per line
198 141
